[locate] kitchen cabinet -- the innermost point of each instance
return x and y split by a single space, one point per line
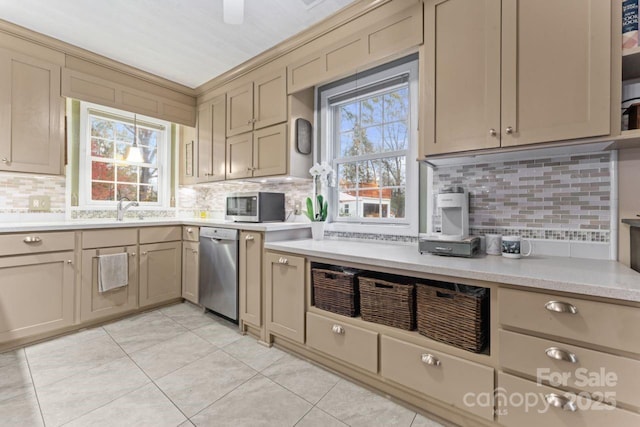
259 153
285 291
31 120
257 104
250 278
160 264
529 71
211 140
190 269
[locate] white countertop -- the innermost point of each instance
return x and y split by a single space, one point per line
84 224
601 278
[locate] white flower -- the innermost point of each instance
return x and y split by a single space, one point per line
315 170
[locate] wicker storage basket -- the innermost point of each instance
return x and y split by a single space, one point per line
457 317
335 291
388 303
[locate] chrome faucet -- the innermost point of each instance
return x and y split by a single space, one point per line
122 209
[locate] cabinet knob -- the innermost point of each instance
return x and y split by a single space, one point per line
560 354
144 253
337 329
562 402
5 160
189 230
194 251
492 132
208 174
561 307
508 130
249 237
69 261
32 239
430 359
283 260
249 121
132 254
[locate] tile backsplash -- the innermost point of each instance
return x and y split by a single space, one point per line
562 198
15 189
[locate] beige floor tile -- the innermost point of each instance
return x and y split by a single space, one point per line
146 406
318 418
62 361
422 421
15 378
357 406
64 341
187 424
75 396
142 331
189 315
161 359
199 384
218 334
258 402
301 377
21 411
248 351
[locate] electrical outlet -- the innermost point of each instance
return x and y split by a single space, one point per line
39 203
297 208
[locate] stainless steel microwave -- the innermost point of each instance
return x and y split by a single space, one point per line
257 206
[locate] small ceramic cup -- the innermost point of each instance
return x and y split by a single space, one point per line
511 247
493 244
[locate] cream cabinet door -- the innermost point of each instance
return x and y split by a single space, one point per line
270 151
250 278
190 270
240 156
211 140
462 63
95 305
556 61
160 272
285 285
240 109
36 294
31 115
188 155
270 99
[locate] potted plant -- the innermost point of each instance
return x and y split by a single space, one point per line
318 207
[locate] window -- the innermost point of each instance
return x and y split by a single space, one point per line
105 174
369 136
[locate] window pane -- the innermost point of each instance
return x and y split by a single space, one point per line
368 173
148 137
397 202
347 175
149 176
373 138
127 190
348 116
102 191
101 171
124 132
150 155
101 148
396 137
393 171
148 194
121 150
102 128
396 105
371 110
127 174
347 203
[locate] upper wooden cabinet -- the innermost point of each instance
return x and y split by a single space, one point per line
529 71
257 104
211 140
259 153
31 117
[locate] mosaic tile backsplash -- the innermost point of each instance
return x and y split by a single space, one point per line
562 198
15 189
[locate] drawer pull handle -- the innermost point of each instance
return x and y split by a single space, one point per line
69 261
144 253
430 359
559 354
194 251
32 239
561 307
189 230
558 401
337 329
283 261
132 254
249 237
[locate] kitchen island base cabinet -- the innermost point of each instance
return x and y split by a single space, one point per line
36 294
160 272
285 285
95 304
190 270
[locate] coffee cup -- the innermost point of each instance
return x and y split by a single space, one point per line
512 247
493 244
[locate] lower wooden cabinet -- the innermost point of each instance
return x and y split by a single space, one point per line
250 278
160 272
36 294
285 285
95 305
190 270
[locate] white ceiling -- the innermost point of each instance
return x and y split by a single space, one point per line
181 40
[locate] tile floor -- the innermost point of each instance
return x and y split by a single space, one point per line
177 366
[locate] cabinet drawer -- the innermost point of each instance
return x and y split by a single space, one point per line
111 237
525 354
522 403
447 378
160 234
592 322
191 233
32 243
351 344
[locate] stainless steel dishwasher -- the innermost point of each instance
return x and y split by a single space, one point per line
218 284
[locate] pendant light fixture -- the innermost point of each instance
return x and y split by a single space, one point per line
233 12
134 155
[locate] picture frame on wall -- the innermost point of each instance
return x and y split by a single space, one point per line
188 159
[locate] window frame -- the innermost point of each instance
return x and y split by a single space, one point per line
328 146
85 158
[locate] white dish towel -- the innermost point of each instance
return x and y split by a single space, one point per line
113 271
